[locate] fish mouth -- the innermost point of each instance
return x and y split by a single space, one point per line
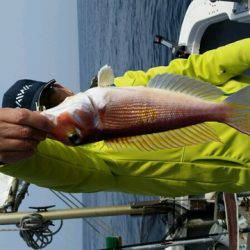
75 137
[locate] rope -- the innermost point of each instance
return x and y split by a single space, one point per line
58 196
36 232
9 229
21 195
65 202
99 221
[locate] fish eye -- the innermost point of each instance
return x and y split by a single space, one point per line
75 138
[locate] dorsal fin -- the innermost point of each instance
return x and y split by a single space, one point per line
187 85
105 76
191 135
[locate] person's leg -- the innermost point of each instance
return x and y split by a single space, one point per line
69 169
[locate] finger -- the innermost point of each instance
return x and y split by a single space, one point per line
12 157
26 117
18 145
8 130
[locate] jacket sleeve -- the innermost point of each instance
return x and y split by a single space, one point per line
59 167
215 66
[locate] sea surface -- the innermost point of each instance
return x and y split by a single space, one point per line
120 33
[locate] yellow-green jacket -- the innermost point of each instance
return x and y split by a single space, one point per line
197 169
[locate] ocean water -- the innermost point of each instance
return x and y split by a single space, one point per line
120 33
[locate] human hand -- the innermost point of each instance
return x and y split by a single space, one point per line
20 132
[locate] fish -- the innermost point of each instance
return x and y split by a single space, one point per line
171 111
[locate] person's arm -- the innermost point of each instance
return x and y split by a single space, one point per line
215 66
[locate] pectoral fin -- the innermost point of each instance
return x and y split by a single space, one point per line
192 135
105 77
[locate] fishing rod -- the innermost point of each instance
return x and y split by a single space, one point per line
140 208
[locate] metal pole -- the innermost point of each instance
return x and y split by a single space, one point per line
243 194
200 223
158 246
235 1
188 242
14 218
163 41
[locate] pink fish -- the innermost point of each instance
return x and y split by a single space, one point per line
170 112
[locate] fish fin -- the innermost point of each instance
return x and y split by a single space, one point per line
187 85
105 76
240 118
186 136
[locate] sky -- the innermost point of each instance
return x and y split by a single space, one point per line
39 40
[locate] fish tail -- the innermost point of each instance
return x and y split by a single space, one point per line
239 118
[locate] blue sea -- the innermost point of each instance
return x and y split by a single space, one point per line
120 33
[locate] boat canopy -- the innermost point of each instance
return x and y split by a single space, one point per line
206 14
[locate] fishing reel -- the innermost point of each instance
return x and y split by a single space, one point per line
178 51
